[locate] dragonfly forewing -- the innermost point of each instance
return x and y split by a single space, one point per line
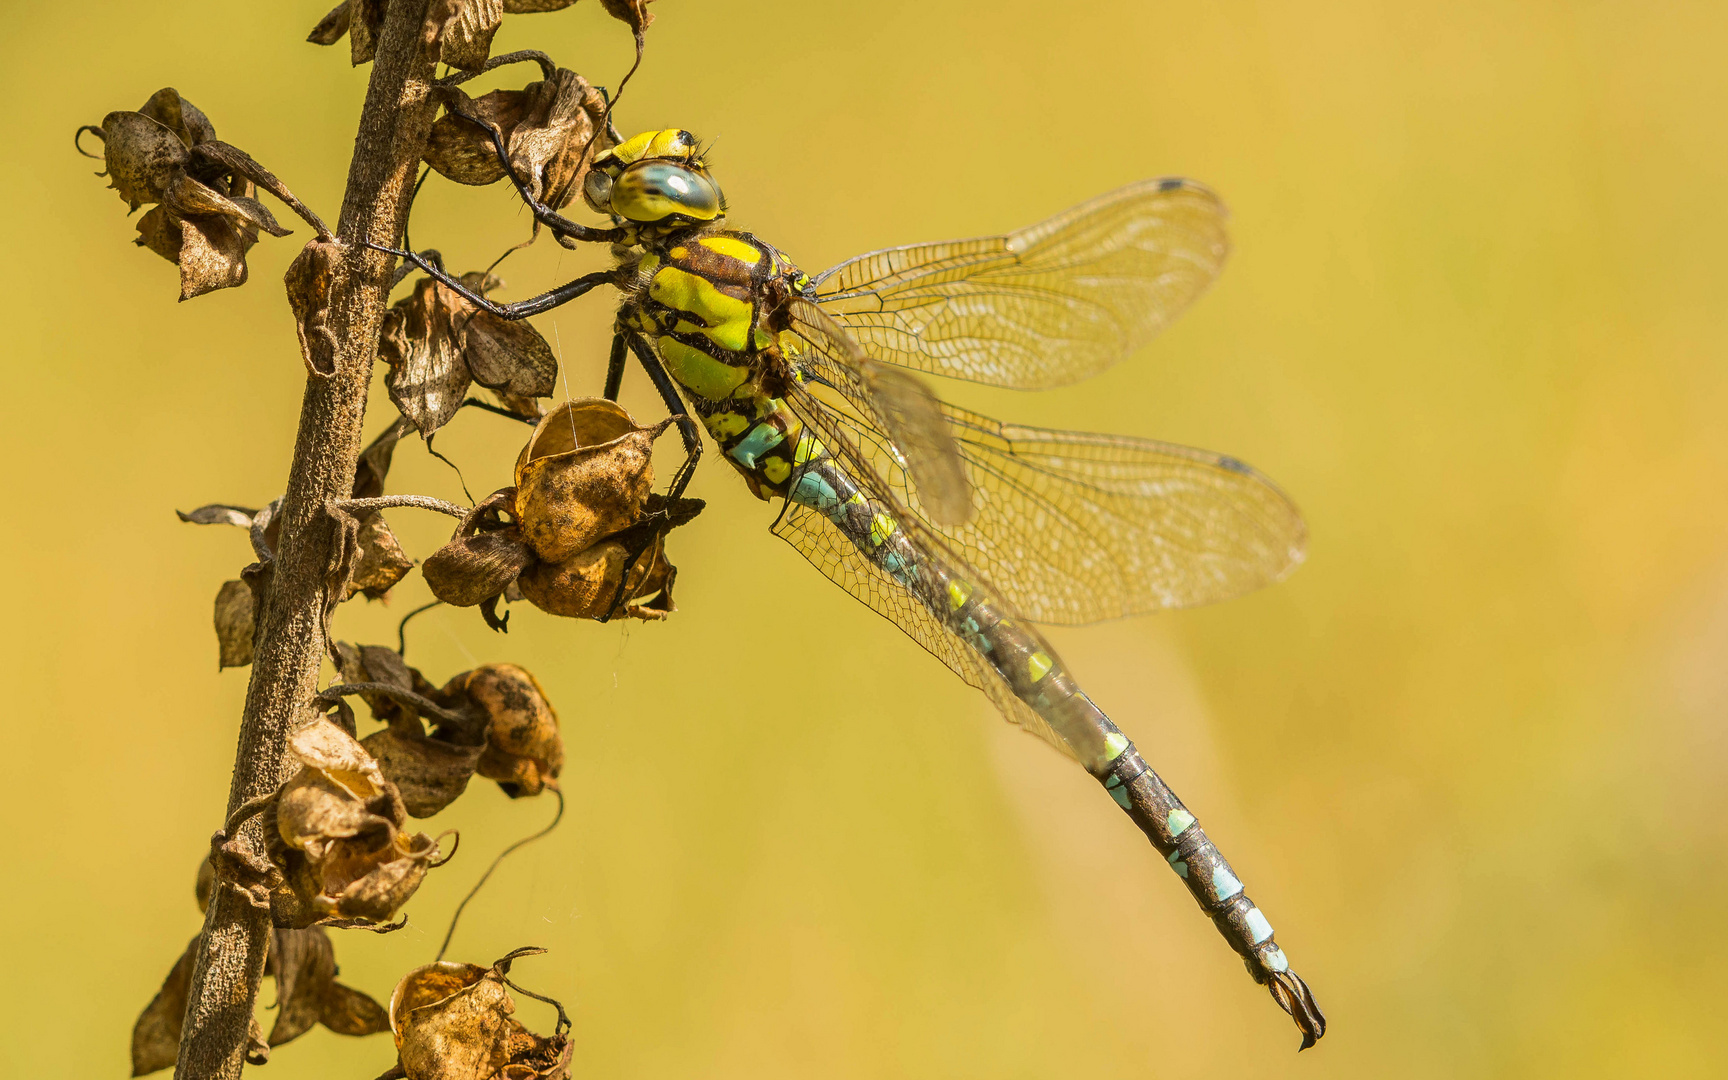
1045 306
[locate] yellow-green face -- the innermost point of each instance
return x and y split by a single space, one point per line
656 177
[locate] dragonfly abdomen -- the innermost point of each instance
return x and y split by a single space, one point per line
1030 669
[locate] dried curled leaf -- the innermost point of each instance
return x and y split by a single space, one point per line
524 750
459 32
338 833
549 129
436 343
207 218
482 558
455 1022
583 475
381 563
308 281
235 623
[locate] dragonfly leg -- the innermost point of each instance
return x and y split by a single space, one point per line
615 366
521 309
687 430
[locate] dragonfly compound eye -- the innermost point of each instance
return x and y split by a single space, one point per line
651 191
597 191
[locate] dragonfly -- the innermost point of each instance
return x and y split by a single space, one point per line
963 531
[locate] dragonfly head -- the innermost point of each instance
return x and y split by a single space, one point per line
656 178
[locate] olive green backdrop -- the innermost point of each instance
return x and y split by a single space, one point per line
1469 759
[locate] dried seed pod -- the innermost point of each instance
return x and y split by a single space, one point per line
586 585
584 474
483 557
454 1022
235 622
524 750
381 563
436 343
430 773
208 219
381 664
470 569
338 831
549 129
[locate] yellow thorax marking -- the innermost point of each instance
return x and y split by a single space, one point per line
705 376
732 247
726 319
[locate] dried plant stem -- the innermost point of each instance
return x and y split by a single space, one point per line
290 640
385 502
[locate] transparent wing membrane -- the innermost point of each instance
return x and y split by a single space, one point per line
1045 306
1075 527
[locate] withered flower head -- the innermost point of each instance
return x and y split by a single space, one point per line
524 750
436 343
457 32
206 217
584 474
455 1022
483 557
430 771
548 128
586 585
338 831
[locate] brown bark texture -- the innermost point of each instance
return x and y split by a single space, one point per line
290 645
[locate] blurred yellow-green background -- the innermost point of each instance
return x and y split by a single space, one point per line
1469 759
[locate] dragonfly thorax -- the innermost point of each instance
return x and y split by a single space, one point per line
713 303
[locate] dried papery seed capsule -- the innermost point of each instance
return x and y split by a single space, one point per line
482 558
549 129
585 585
524 749
455 1022
584 474
208 218
338 831
470 569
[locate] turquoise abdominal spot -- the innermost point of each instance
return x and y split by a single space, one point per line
1258 928
1177 864
1224 883
762 438
815 492
1178 822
